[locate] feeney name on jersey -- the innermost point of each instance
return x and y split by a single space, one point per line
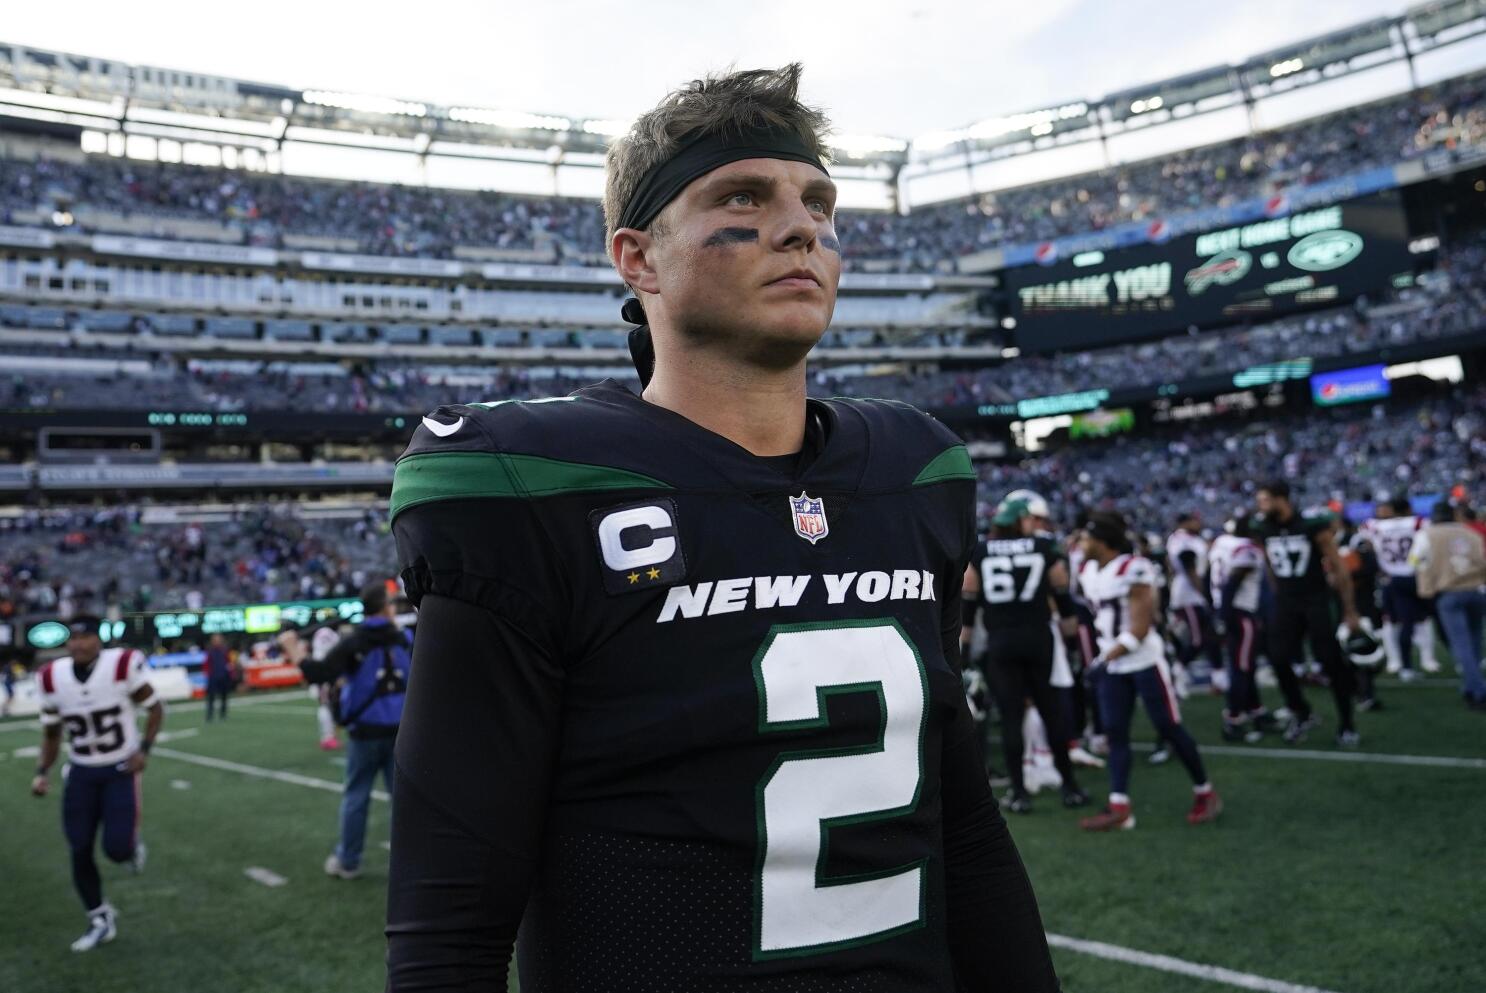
735 799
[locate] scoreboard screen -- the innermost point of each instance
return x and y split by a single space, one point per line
1313 258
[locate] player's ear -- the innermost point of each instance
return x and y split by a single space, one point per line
633 253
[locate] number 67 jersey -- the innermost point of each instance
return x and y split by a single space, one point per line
742 673
97 710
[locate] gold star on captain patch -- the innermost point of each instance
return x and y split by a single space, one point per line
633 577
653 572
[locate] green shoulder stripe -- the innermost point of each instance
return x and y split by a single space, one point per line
465 475
952 463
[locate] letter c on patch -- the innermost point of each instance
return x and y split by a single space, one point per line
656 550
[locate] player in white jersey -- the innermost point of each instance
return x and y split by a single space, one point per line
323 640
1132 656
1405 615
94 693
1237 571
1187 557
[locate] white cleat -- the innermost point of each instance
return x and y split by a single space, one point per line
102 928
137 860
1430 666
1078 755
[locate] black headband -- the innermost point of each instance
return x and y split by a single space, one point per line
700 155
664 183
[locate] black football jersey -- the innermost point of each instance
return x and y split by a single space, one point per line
1294 556
758 681
1014 584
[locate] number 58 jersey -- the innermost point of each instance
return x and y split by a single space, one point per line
97 710
746 674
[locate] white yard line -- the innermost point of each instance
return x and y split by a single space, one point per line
1311 754
1181 967
293 778
267 877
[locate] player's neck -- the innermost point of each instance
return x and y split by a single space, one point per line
762 411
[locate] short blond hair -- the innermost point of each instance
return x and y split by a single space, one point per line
715 104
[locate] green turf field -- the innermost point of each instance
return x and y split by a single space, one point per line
1352 877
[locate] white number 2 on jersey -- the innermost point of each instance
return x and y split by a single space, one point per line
806 793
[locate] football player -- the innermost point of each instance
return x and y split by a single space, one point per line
1405 616
1132 663
1237 573
687 705
1065 627
1301 549
94 693
1013 580
1187 556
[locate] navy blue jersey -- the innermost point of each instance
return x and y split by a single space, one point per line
739 682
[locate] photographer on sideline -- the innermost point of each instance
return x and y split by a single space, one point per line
370 666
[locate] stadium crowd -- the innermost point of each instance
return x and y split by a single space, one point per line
1213 468
57 560
1450 302
273 552
272 210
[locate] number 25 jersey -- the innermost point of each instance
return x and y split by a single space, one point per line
757 680
97 710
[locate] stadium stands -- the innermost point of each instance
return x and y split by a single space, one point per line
55 561
1341 454
1450 305
139 198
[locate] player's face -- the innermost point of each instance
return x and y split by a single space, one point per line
84 648
748 259
1265 502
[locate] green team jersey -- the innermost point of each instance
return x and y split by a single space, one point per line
1294 552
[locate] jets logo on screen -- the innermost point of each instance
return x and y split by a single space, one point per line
1325 250
638 545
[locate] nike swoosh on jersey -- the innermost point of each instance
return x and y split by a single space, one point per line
442 430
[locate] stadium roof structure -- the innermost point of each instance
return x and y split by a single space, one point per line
67 94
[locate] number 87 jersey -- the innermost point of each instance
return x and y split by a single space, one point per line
97 706
1294 557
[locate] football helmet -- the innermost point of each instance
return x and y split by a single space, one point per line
1363 648
1036 505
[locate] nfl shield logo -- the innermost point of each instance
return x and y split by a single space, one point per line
810 517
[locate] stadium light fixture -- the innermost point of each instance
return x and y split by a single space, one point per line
866 144
933 141
514 120
365 103
608 128
1286 67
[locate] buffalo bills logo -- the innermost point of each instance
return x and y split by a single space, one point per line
809 516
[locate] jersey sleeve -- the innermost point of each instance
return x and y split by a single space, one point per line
137 673
1141 572
467 527
478 740
50 713
995 931
1247 557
